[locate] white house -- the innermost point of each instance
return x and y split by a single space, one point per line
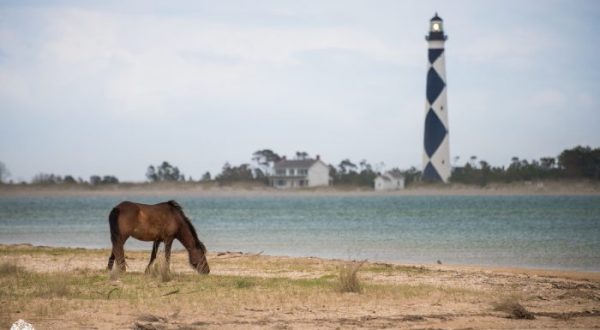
389 181
300 173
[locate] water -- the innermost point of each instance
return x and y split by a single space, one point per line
554 232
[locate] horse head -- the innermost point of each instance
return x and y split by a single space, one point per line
198 261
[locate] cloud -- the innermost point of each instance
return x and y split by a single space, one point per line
549 99
148 63
511 47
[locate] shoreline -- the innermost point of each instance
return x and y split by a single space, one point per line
531 271
542 188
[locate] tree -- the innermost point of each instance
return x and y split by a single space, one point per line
151 174
235 173
110 179
265 159
411 175
43 178
485 174
583 162
164 172
95 180
206 176
364 166
473 161
4 173
301 155
548 162
69 179
348 173
346 166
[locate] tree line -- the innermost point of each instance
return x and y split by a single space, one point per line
576 163
52 179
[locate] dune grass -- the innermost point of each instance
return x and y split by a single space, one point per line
348 278
160 269
10 268
513 308
51 286
264 284
18 283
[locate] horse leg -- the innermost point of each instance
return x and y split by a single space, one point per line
155 246
111 261
168 243
119 254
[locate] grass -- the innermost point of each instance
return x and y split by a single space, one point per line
282 283
17 283
383 268
514 309
10 268
348 278
53 251
244 283
160 269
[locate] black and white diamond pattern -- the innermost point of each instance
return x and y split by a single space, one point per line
436 166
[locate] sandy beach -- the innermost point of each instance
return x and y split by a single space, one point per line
59 288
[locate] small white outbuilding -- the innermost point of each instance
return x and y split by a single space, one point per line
389 181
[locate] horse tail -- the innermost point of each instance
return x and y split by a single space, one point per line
199 245
113 221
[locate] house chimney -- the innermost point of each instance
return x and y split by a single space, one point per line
284 158
318 157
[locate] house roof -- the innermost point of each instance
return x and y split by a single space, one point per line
389 176
303 163
395 175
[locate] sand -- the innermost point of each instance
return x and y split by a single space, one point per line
253 291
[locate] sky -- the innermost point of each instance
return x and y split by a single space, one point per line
111 87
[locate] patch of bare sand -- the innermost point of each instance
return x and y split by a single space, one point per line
396 296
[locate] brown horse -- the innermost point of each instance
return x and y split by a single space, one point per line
157 223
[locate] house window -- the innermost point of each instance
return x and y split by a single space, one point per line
280 172
280 182
291 171
303 172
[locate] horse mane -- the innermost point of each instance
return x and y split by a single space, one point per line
199 245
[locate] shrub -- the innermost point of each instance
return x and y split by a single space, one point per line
349 281
514 309
10 268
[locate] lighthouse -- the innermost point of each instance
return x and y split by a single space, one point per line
436 151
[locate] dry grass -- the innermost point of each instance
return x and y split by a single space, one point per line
348 278
514 309
8 268
264 292
18 277
160 269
